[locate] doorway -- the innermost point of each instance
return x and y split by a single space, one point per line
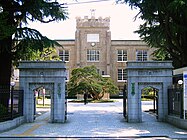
153 92
41 92
42 101
149 102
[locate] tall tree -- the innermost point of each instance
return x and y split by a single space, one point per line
15 36
164 28
87 80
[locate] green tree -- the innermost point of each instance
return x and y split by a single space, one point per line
16 38
47 54
87 80
164 28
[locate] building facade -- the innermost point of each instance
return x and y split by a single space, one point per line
93 46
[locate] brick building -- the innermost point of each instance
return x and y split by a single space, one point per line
93 46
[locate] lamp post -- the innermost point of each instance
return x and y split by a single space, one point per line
180 82
1 9
43 92
12 84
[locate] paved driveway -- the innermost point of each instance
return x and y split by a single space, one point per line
97 120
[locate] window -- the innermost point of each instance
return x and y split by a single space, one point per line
64 55
92 55
122 75
103 72
141 55
122 55
98 71
92 37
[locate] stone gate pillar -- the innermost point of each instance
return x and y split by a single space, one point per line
48 74
156 74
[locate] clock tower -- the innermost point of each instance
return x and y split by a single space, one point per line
93 43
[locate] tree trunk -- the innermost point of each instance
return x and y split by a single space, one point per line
5 70
184 58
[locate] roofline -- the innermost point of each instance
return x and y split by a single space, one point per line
126 40
179 70
111 40
64 39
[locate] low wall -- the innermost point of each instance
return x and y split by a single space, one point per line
4 126
176 121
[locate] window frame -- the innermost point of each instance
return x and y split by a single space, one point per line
93 55
141 55
123 75
63 55
123 55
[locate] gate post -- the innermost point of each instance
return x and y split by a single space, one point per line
50 74
157 74
125 101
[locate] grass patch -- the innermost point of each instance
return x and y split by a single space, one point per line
93 101
146 99
41 106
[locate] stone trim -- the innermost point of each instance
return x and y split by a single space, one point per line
150 83
176 121
41 65
7 125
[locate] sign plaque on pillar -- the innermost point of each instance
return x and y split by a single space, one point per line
132 88
185 92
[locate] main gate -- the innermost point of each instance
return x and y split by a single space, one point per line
156 74
49 75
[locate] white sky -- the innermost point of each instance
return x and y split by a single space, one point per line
122 24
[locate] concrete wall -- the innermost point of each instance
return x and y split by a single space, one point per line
176 121
7 125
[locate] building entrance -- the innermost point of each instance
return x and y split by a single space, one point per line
155 74
46 76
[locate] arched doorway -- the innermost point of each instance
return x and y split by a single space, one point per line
149 101
42 100
156 102
38 90
156 74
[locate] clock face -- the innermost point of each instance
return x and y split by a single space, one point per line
92 44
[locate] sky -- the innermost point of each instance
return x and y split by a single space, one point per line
122 23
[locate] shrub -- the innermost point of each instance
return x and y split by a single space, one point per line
3 109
